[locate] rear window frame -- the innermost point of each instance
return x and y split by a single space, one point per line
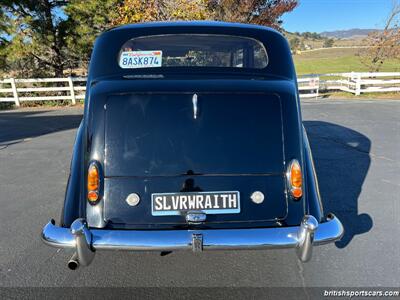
195 69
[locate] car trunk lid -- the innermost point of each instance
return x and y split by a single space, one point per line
191 142
167 134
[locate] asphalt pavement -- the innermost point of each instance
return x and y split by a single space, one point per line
356 148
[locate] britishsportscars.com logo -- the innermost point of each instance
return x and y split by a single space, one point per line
361 293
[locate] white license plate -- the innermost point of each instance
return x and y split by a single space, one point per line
140 59
166 204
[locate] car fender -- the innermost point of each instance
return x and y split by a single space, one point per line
313 202
72 208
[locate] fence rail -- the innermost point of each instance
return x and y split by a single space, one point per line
355 83
308 87
42 89
73 88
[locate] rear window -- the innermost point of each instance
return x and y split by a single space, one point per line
193 50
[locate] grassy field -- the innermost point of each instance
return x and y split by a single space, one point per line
336 61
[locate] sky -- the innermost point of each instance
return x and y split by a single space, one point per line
330 15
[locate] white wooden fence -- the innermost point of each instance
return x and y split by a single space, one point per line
42 89
308 87
355 83
358 83
73 88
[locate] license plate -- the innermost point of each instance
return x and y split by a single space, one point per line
140 59
167 204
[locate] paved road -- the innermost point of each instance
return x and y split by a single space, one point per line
356 149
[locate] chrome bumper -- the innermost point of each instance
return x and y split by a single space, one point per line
85 241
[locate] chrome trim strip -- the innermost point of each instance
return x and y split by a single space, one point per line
213 239
94 214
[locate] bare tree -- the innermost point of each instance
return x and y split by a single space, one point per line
383 44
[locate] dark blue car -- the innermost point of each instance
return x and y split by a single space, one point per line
192 138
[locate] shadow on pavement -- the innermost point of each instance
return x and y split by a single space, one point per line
341 157
17 126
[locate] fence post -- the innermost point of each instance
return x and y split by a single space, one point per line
71 90
350 81
358 85
15 92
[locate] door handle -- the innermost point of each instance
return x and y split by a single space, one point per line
195 108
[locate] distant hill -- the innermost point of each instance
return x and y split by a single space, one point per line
348 34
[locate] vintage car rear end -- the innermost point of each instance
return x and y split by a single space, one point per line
191 139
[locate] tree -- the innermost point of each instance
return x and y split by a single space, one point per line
315 36
4 41
383 44
37 31
262 12
328 43
134 11
87 20
294 43
91 17
51 37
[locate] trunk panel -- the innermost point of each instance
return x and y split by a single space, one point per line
118 211
154 144
157 134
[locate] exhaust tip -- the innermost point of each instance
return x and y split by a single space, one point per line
73 265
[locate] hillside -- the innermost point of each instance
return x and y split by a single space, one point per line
336 60
332 52
311 40
354 33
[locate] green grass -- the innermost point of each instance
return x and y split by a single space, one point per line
336 61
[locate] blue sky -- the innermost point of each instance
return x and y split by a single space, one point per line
328 15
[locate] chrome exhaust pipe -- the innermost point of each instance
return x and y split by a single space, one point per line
305 238
73 263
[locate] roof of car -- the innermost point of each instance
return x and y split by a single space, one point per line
108 45
160 24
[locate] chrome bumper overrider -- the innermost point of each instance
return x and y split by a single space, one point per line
85 241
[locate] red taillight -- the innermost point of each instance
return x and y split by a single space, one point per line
93 183
295 179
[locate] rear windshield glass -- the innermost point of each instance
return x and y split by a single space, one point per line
193 50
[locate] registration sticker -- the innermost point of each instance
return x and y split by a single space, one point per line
140 59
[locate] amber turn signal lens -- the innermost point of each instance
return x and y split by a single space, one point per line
295 179
93 178
297 192
295 175
93 182
92 196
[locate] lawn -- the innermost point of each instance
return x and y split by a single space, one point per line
336 61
